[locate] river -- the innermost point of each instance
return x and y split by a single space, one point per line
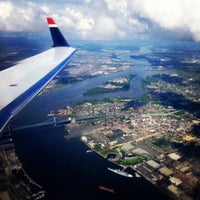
63 167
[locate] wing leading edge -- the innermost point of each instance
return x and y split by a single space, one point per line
22 82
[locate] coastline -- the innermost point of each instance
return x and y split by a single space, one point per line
136 173
19 184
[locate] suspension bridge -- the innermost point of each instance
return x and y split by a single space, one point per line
52 122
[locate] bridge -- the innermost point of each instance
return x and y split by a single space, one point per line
52 122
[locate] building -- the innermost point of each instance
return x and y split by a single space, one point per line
153 164
165 171
174 156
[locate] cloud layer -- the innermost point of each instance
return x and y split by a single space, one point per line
105 19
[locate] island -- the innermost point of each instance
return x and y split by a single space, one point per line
114 85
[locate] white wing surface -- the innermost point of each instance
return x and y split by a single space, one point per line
21 83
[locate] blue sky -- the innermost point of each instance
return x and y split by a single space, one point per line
105 19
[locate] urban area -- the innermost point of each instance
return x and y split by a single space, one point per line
156 136
154 139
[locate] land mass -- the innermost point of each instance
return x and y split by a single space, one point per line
157 136
115 85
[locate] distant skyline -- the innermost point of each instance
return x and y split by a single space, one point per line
105 19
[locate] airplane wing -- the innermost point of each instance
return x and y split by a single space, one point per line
22 82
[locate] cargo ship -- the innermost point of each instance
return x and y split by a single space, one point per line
120 172
106 189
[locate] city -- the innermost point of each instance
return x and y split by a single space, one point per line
151 136
149 133
154 136
104 106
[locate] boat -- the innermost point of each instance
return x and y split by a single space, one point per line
106 189
89 151
120 172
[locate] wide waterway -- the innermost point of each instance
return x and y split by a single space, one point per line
63 167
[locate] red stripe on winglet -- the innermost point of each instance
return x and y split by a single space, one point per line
50 21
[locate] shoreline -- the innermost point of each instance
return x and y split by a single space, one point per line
19 184
140 175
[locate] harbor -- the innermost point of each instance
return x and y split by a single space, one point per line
74 163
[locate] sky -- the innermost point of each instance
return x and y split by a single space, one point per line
105 19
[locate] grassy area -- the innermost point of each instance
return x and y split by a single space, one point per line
99 90
108 151
132 161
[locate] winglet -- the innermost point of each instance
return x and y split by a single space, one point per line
57 37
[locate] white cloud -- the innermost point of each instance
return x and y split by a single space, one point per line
119 7
20 17
104 19
78 21
172 14
165 13
6 9
45 9
105 28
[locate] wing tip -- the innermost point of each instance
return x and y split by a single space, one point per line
57 37
51 22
